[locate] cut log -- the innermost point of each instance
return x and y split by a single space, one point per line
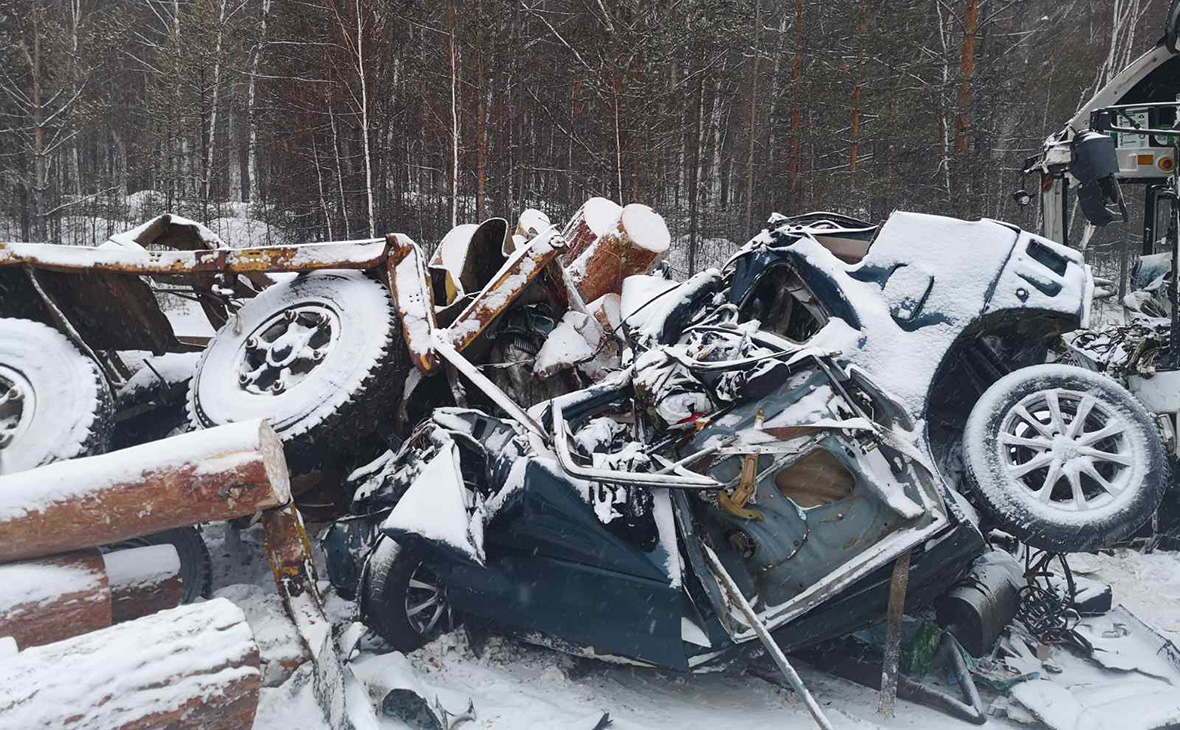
193 667
596 218
47 600
204 476
143 580
634 246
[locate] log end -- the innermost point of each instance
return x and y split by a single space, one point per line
271 448
646 228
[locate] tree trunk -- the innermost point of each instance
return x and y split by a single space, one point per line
481 134
52 599
191 668
966 71
454 116
361 72
204 476
796 109
143 580
854 153
40 165
753 122
251 111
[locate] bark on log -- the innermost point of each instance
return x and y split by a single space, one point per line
47 600
189 668
634 246
143 580
596 218
204 476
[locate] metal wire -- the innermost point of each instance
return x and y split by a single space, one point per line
1046 609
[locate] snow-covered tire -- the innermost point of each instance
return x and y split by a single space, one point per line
55 402
1056 481
318 355
394 600
196 568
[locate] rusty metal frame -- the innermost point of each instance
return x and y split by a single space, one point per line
299 258
524 267
413 300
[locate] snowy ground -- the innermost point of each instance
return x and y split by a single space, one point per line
520 687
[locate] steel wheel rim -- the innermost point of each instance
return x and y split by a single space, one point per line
427 609
1067 450
284 350
17 404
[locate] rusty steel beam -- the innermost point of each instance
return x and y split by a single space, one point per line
306 257
524 267
413 300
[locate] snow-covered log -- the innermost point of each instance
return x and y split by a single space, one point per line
633 246
47 600
204 476
143 580
596 218
193 667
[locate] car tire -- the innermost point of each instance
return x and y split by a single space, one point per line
319 356
1056 481
394 601
55 402
196 568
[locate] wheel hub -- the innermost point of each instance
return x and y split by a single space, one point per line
288 346
16 405
426 603
1067 449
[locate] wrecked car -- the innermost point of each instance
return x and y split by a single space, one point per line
788 428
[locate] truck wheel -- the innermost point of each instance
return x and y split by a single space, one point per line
55 403
196 569
317 355
401 598
1064 459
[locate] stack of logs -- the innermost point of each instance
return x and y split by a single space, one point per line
98 639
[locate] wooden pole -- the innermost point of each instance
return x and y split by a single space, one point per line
47 600
143 580
189 668
204 476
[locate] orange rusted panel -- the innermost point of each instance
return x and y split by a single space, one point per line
413 299
306 257
521 270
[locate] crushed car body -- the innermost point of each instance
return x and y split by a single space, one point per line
766 426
